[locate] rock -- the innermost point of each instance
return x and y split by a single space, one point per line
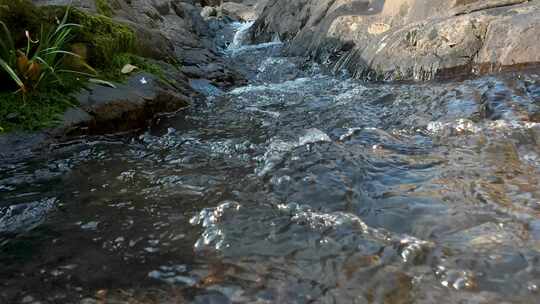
152 43
23 217
162 6
205 87
17 145
209 11
238 11
105 109
406 39
424 51
511 40
75 118
89 5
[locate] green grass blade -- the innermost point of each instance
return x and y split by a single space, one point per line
7 45
11 73
75 72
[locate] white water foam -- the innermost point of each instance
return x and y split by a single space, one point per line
242 32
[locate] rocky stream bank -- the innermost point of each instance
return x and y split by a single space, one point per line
372 39
175 36
297 186
407 39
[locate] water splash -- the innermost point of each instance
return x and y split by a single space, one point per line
241 36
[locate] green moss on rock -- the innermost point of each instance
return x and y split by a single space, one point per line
41 110
104 37
20 15
113 71
104 8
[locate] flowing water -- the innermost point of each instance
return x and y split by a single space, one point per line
300 187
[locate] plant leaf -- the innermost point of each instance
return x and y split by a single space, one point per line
102 82
12 73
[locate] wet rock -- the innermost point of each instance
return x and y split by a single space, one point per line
18 145
220 75
22 217
416 39
204 87
105 109
487 238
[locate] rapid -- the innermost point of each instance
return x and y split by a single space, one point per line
300 187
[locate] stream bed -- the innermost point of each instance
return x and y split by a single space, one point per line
300 187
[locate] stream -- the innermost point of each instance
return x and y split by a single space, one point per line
300 187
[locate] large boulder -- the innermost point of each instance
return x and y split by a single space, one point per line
238 11
511 40
406 39
124 107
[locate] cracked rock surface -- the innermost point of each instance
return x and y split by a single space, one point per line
407 39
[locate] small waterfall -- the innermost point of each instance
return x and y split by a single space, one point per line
241 34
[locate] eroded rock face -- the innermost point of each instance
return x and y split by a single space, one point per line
406 39
513 39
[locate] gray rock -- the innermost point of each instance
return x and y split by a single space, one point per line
209 11
406 39
74 118
238 11
205 87
24 217
17 145
89 5
512 39
104 109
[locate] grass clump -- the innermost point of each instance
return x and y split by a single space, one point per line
40 62
35 84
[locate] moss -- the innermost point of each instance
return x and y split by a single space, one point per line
20 15
104 8
13 10
101 34
104 37
113 71
110 46
41 111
